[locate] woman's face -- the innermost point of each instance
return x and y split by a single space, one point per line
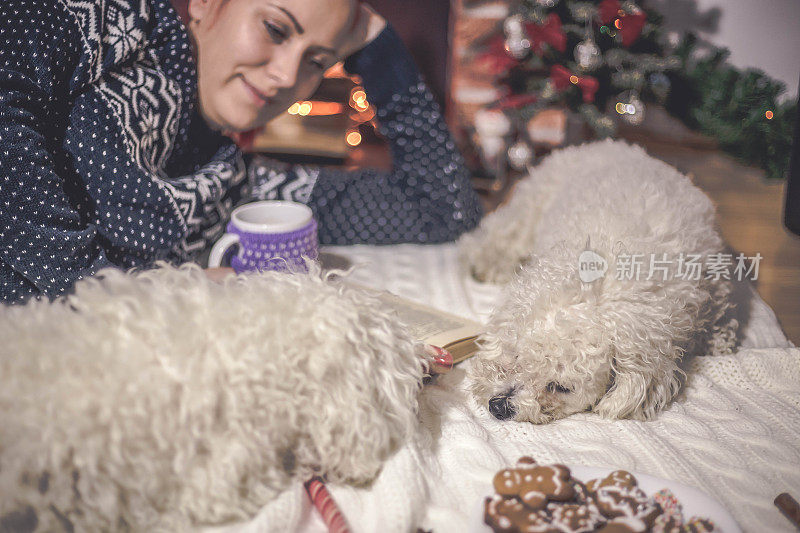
255 58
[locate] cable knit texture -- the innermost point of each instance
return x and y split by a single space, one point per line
106 161
733 433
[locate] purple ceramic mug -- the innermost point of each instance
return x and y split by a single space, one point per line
271 235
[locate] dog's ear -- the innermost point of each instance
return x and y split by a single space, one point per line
644 371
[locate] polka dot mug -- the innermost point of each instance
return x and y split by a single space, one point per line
271 235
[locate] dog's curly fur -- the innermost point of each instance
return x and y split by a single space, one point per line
162 400
557 345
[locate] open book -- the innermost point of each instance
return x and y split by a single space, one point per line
455 334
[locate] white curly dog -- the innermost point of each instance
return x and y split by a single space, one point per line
578 327
161 401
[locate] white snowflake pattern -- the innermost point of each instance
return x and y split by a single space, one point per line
123 35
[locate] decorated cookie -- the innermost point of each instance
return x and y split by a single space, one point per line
698 525
618 478
539 522
504 515
667 524
617 501
671 518
583 496
534 498
541 484
508 482
535 485
574 517
624 524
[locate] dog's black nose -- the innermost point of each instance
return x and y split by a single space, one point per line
501 408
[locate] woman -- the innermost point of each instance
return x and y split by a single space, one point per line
110 119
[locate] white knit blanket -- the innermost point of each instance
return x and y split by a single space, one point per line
734 433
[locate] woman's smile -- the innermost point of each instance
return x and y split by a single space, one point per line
258 98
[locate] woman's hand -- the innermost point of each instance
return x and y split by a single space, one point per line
219 273
367 26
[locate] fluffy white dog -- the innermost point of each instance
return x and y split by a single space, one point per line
160 401
579 328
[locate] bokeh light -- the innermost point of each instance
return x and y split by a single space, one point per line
353 138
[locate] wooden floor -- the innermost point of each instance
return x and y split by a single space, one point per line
750 211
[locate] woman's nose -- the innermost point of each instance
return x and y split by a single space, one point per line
283 68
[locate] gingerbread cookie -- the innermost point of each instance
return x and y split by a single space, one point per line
671 518
574 517
535 485
509 515
618 501
625 524
698 525
537 498
617 478
504 515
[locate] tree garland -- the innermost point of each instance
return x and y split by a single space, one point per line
741 109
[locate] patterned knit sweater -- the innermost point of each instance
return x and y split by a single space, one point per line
106 161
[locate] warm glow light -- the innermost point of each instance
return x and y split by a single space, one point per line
618 24
316 108
620 107
353 138
769 115
358 99
326 108
574 79
305 109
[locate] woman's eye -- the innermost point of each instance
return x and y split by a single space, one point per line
276 33
555 387
317 63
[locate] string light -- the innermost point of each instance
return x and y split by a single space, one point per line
305 109
363 112
769 114
353 138
358 99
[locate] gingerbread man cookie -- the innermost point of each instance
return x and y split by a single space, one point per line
624 525
504 515
574 517
617 478
535 485
632 502
509 515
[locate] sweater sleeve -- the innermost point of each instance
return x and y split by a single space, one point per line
426 197
66 213
44 244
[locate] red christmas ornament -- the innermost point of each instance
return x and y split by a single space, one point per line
562 78
628 25
496 57
608 10
548 33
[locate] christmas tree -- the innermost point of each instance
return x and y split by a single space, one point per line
596 59
604 60
743 110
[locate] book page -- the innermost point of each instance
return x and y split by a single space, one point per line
429 324
423 324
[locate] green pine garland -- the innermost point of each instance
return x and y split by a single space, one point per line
732 106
